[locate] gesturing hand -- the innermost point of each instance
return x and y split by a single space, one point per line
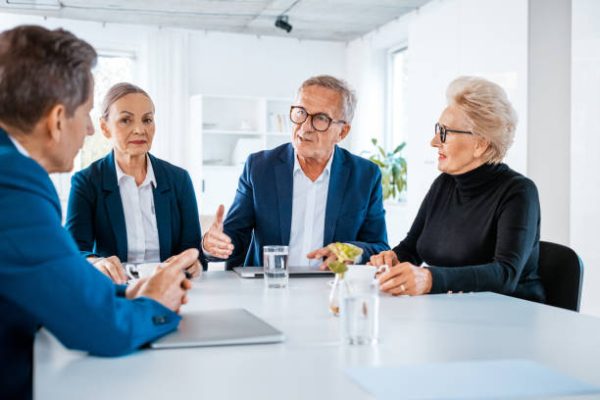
215 241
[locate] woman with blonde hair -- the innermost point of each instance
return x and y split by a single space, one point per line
478 228
131 206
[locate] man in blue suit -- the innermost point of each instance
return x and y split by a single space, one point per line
305 194
46 94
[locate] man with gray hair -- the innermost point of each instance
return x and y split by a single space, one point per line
307 193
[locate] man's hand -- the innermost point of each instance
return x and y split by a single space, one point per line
111 267
215 242
169 285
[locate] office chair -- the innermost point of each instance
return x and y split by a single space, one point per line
561 272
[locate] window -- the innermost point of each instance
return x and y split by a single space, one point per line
111 69
397 104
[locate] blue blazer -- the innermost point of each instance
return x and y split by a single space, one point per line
261 213
44 281
96 220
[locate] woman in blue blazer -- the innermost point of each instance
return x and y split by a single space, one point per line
131 206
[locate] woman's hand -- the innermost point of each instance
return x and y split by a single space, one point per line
405 278
111 267
388 258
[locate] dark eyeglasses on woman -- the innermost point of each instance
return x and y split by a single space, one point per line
443 131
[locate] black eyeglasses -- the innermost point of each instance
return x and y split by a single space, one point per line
443 131
320 122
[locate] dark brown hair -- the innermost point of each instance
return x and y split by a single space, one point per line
40 68
116 92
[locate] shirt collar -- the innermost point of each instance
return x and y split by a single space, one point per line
327 169
150 178
20 148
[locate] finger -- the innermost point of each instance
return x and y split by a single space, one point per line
182 261
395 283
115 260
389 275
377 260
389 258
219 215
113 273
186 284
195 269
318 253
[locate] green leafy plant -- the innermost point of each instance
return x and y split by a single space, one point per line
393 169
345 252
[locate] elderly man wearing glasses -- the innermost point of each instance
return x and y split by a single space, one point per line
478 228
305 194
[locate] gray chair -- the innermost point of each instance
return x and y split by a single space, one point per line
561 271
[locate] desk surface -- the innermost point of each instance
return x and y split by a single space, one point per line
311 363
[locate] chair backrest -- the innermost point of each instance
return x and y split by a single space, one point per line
561 271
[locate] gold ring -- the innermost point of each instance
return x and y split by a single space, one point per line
402 287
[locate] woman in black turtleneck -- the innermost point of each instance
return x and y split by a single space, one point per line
478 228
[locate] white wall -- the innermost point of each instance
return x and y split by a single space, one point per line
585 157
446 38
234 64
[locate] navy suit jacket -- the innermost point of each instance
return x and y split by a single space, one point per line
45 281
261 213
96 220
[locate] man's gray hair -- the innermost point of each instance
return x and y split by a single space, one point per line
340 86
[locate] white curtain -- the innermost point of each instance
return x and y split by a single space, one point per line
168 82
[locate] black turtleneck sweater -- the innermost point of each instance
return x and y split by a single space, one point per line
479 231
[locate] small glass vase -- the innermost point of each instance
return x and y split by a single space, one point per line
335 294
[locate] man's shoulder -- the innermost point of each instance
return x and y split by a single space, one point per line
357 162
17 169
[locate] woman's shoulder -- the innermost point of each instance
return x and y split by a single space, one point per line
94 171
167 170
517 181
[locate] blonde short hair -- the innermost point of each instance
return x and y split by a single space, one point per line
488 111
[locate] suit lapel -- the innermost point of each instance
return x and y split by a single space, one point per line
285 186
114 206
335 194
162 207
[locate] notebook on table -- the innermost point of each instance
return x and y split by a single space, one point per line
219 328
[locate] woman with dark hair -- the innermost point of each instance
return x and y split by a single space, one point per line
131 206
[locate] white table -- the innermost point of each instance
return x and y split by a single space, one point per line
311 362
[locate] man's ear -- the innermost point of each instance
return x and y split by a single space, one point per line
345 131
55 122
104 128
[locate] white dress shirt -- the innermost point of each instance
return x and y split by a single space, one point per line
20 148
140 217
308 214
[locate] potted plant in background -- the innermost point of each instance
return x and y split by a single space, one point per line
393 170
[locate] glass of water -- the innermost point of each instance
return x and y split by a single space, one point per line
359 306
275 266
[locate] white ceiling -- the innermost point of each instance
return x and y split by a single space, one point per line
338 20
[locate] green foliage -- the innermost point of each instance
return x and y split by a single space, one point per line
393 169
345 252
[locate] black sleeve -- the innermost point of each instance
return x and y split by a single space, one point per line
518 220
406 251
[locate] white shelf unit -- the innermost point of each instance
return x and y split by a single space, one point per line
231 128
